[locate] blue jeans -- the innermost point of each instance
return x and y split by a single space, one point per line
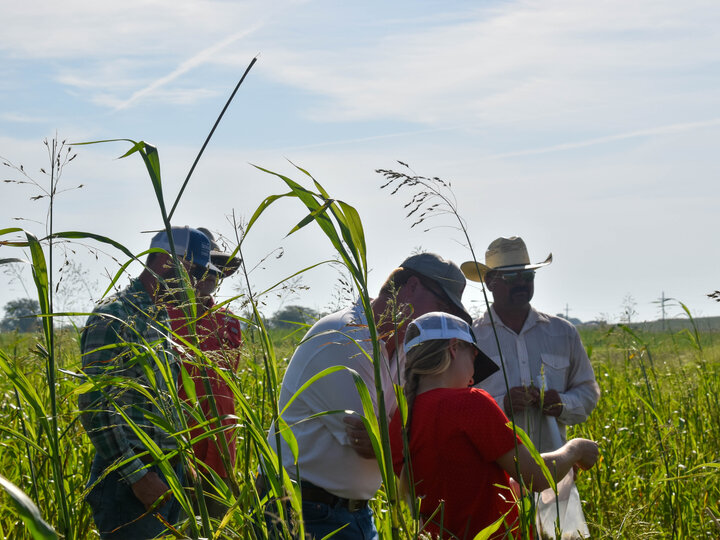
321 519
115 507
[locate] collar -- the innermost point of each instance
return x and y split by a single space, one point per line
533 318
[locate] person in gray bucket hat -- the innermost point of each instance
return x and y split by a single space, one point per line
336 466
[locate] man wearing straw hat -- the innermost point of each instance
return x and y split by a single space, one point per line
551 382
127 354
338 471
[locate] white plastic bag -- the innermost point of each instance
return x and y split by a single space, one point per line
572 519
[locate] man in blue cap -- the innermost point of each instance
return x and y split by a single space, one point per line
126 338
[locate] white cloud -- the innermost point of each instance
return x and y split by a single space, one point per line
22 118
135 28
661 130
553 62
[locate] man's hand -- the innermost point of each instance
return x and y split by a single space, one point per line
523 397
587 453
552 404
150 489
358 437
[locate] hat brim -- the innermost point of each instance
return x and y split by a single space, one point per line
225 264
476 271
484 367
461 311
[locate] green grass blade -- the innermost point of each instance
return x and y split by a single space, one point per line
29 512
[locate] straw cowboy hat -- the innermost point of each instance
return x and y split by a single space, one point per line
504 254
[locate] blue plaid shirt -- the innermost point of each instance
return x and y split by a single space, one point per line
127 337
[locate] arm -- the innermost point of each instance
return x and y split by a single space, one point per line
581 452
582 392
100 419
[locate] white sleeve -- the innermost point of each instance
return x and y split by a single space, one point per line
582 392
338 391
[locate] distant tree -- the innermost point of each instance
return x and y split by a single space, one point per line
288 317
19 315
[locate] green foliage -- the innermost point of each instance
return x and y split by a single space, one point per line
658 421
30 514
20 316
658 426
294 317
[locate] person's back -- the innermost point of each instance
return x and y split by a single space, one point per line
326 460
455 438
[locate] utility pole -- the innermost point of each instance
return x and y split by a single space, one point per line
662 301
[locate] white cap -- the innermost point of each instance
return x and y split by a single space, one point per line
441 325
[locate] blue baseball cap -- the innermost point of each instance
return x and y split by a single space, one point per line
190 244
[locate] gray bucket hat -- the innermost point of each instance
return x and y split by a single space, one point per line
445 273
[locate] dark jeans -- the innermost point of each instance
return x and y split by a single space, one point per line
116 510
320 520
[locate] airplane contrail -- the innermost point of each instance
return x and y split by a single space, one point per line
198 59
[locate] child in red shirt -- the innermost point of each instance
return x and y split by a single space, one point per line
461 448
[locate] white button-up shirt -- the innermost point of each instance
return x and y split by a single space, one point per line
325 456
547 353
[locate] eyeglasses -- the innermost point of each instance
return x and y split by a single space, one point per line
512 277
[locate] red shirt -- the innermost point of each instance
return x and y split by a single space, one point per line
219 336
455 437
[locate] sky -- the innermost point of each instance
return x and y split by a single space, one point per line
585 127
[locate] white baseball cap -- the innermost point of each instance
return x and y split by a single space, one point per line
440 325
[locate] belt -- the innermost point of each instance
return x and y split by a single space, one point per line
313 493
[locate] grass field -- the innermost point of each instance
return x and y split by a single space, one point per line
658 424
658 421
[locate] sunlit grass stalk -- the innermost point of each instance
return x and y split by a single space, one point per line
42 272
66 525
21 419
343 227
671 492
424 201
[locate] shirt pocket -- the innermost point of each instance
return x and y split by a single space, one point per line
555 367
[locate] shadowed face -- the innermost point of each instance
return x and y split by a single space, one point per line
207 285
511 289
173 282
426 295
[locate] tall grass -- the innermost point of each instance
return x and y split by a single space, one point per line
658 420
658 423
